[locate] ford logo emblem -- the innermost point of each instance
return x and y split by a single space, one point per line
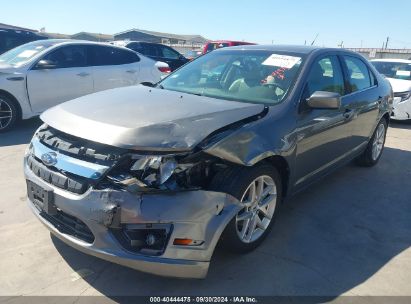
49 159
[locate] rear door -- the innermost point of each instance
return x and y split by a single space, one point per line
363 98
324 135
113 67
69 78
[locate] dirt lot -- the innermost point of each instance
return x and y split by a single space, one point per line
347 234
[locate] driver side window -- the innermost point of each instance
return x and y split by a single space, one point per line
325 75
68 57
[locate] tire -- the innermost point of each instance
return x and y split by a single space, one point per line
375 147
9 113
237 236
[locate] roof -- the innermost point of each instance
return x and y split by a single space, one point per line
55 35
17 28
302 49
95 35
225 41
166 35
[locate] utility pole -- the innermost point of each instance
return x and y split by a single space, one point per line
386 43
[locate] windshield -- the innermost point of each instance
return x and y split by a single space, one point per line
398 70
25 52
249 76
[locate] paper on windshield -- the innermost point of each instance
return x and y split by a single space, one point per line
27 53
283 61
403 73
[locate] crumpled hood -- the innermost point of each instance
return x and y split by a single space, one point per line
400 85
144 118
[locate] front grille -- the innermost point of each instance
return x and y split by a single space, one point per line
70 225
69 182
78 147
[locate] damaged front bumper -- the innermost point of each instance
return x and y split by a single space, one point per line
97 221
401 109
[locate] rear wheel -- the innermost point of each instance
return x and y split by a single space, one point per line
259 191
9 113
374 149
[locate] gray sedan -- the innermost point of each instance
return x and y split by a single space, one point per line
154 177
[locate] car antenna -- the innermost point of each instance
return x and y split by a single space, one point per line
312 43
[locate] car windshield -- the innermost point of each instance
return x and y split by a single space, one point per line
398 70
24 53
247 76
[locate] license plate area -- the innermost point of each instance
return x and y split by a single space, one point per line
43 199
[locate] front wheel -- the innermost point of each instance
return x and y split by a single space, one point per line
9 114
374 149
259 191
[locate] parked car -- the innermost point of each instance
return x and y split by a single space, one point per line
398 72
9 39
192 54
41 74
156 51
154 178
212 45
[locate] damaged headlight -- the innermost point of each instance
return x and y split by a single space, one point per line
154 170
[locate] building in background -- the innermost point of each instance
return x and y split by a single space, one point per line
181 43
379 53
157 37
93 37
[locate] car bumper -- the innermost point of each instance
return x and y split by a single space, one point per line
198 215
401 109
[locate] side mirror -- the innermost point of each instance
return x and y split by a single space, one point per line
324 100
45 64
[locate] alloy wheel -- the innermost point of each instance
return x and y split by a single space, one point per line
378 142
259 201
6 114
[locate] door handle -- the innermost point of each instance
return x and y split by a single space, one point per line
131 71
83 74
348 113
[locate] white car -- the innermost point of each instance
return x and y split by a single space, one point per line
398 72
41 74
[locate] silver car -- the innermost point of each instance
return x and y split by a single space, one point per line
398 73
41 74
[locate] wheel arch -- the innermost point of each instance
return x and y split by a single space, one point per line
386 116
281 164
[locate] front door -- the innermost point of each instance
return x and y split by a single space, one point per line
324 136
66 77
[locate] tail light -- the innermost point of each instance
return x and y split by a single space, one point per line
164 69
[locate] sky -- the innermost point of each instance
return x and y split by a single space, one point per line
360 23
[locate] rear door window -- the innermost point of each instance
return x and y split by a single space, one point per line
136 47
105 55
150 50
168 53
358 74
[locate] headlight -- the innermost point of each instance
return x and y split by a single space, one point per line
403 95
154 170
